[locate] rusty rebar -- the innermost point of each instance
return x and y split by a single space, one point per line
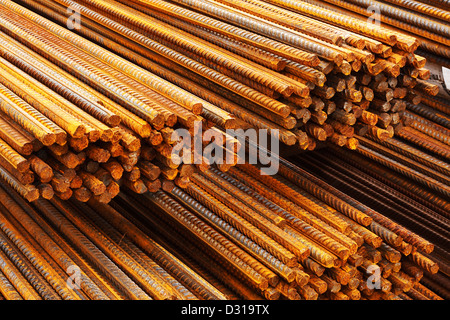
412 174
401 214
271 235
254 271
432 215
43 266
266 257
400 18
234 32
190 64
291 244
293 221
157 252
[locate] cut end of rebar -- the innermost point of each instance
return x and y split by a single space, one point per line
197 108
144 131
391 39
171 120
113 120
32 195
338 59
61 138
79 132
287 91
278 65
158 121
48 139
229 123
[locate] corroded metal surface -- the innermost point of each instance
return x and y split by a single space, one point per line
87 117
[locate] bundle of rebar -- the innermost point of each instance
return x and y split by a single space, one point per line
426 21
312 240
377 177
92 94
77 120
101 113
393 194
406 177
56 250
270 67
234 235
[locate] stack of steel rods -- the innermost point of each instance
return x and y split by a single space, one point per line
406 177
339 235
77 120
420 152
270 67
233 235
86 111
56 250
435 109
427 21
410 202
424 20
428 123
295 235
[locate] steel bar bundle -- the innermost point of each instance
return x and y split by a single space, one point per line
406 177
392 194
101 113
301 235
101 198
53 250
320 229
376 178
79 121
301 79
238 235
350 215
427 21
